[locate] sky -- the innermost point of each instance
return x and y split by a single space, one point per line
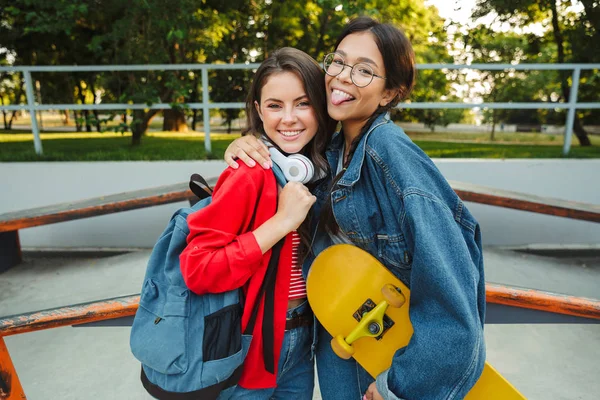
460 11
456 10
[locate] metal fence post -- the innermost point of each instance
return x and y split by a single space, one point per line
571 114
205 110
37 142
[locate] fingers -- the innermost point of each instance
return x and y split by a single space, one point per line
249 150
230 157
244 157
298 194
263 151
258 152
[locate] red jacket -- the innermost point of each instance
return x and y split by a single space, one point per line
222 254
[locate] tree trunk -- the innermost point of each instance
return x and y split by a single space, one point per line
174 121
4 114
580 133
592 14
140 123
86 113
40 118
77 117
12 118
17 113
194 99
86 116
97 117
194 119
492 135
66 118
95 112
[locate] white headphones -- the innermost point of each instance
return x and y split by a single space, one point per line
295 167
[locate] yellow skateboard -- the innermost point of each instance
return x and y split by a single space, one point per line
365 308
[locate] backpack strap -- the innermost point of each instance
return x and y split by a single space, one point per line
267 290
199 186
279 176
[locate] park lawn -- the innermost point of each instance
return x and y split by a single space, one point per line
110 146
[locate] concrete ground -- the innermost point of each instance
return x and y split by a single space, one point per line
549 361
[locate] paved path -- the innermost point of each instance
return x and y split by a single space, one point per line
544 361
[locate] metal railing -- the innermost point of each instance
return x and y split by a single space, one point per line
572 105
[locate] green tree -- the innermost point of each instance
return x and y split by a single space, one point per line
108 32
427 32
52 33
574 36
483 44
11 90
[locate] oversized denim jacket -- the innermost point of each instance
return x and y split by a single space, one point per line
393 202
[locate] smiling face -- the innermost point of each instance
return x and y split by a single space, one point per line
288 117
345 101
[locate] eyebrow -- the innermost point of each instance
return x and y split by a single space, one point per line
359 59
277 100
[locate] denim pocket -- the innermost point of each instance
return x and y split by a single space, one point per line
392 251
222 333
216 371
159 331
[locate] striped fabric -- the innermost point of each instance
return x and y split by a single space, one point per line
297 283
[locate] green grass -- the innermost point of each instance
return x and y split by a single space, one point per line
115 148
173 146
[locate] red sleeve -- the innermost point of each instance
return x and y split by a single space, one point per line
222 252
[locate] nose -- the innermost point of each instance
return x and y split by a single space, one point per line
289 116
344 76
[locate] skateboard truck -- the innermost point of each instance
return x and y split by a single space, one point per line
372 321
374 327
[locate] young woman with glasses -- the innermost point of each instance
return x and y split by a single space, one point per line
385 195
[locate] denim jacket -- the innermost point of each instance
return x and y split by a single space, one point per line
393 202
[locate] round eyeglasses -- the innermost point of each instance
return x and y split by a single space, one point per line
361 74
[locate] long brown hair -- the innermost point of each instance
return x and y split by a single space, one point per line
400 70
310 73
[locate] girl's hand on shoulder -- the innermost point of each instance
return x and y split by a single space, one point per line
295 200
250 150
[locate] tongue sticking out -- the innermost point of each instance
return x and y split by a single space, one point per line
338 98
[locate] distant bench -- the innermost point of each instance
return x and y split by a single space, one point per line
10 223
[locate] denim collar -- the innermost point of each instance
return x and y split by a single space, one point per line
352 174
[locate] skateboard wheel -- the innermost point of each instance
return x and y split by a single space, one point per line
341 348
393 296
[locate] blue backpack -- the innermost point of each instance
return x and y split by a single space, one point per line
191 346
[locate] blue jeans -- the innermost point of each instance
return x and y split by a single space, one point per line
295 374
338 378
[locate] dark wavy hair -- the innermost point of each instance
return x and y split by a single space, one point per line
400 72
310 73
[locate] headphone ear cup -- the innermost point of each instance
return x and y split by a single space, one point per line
308 170
295 167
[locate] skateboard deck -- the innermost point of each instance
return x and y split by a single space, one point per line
365 309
